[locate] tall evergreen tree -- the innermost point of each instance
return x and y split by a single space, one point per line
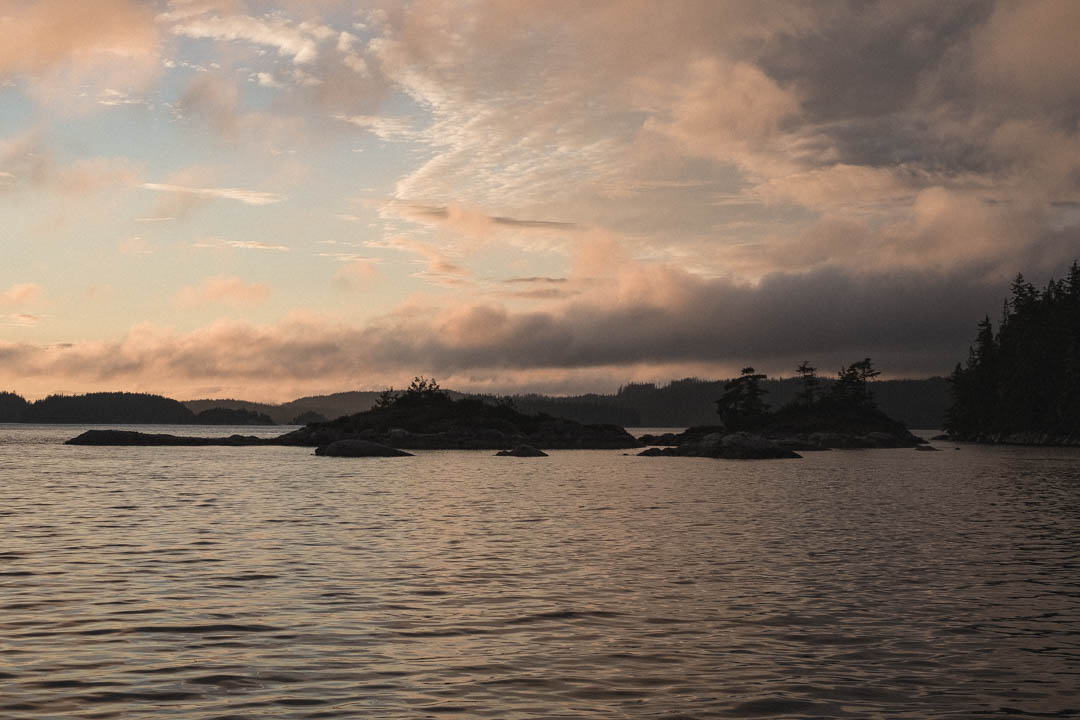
742 403
1026 377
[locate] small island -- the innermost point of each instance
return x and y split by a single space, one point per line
844 416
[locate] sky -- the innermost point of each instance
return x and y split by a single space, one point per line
267 200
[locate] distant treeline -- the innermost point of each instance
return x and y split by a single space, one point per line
691 401
119 408
681 403
1025 378
301 411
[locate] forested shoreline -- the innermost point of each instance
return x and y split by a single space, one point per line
1021 383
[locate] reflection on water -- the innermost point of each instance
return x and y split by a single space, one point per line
265 582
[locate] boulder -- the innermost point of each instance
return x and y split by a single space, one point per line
359 448
522 451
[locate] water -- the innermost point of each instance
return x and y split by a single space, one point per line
268 583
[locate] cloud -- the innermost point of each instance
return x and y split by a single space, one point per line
247 197
216 100
20 294
65 45
24 319
91 175
256 245
298 41
384 128
740 123
39 37
647 320
134 245
439 268
225 290
357 273
1028 49
476 223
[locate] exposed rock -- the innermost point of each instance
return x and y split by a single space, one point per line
669 439
944 436
359 448
130 437
927 448
730 446
743 445
439 423
522 451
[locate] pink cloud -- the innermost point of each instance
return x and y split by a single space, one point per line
68 46
20 294
225 290
647 320
357 273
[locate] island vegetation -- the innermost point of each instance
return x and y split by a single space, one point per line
1021 384
423 416
230 416
841 414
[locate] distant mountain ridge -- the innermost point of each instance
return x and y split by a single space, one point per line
329 406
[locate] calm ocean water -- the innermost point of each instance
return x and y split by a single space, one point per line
203 583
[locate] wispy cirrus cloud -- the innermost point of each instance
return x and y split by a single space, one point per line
247 197
440 268
298 41
256 245
23 319
385 128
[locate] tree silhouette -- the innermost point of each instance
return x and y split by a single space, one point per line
741 405
808 377
853 383
1025 377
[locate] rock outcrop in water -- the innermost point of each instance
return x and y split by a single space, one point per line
522 451
828 423
130 437
359 448
729 446
431 420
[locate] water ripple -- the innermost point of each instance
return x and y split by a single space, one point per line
219 583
